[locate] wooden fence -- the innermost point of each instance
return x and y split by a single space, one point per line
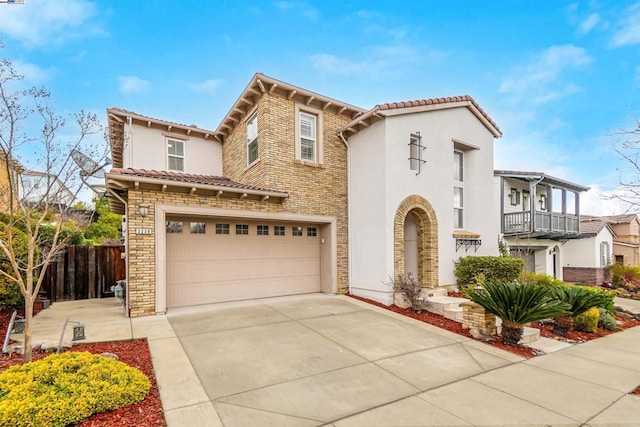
83 272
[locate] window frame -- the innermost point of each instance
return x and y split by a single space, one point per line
223 228
458 183
312 231
297 231
169 156
252 117
318 142
241 228
197 227
279 230
174 227
262 230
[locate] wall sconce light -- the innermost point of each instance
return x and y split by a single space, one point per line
543 203
144 210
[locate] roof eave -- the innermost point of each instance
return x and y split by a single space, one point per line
115 179
261 84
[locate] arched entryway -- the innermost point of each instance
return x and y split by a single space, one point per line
416 241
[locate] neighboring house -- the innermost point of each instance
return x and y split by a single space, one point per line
295 192
9 171
538 214
626 244
585 259
40 187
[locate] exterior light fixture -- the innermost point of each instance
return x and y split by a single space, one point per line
144 210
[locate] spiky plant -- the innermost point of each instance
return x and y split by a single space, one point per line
517 305
579 299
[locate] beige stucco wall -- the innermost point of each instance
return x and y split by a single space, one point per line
586 252
381 179
146 148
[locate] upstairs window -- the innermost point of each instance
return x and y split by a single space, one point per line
458 189
307 137
252 139
175 155
308 134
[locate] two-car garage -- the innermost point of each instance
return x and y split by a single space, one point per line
215 258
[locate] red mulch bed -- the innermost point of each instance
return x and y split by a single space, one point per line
636 391
520 350
451 326
134 353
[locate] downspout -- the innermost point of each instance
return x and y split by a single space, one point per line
128 138
346 144
126 245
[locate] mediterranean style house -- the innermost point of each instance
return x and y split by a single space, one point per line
296 192
538 215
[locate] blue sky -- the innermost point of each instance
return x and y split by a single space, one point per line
561 79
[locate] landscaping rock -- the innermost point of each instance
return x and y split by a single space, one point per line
110 355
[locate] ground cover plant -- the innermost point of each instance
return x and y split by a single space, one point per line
66 388
146 413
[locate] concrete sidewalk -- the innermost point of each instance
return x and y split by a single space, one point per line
332 360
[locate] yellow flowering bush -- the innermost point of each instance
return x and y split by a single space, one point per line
587 321
66 388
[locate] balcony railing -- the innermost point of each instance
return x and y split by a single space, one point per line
544 222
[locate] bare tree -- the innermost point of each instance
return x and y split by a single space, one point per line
628 149
35 214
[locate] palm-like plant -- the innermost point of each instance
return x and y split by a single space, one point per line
517 305
579 300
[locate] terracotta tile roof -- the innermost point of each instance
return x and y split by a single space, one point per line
218 181
620 219
435 101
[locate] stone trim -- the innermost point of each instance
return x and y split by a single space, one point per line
427 223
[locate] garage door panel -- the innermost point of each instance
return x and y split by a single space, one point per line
206 268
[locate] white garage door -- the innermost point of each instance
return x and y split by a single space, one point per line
215 260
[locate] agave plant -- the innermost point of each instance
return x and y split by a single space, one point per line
517 305
579 300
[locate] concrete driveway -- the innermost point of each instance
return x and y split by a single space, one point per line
317 359
331 360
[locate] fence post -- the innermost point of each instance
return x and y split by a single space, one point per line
60 275
71 271
91 270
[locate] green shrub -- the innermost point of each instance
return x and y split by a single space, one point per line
504 269
66 388
607 321
624 276
10 294
587 321
609 297
516 305
539 279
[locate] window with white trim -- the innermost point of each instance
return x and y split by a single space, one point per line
222 228
605 254
308 136
197 227
278 230
242 229
175 155
458 189
263 230
174 226
252 139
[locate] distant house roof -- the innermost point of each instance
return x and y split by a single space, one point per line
542 177
118 117
592 225
381 110
621 219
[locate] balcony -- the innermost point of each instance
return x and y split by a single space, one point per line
546 224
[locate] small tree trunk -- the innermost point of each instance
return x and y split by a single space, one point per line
511 333
563 325
28 316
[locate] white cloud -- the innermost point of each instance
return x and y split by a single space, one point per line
44 22
379 60
207 86
629 31
31 72
303 8
543 74
589 23
598 201
133 84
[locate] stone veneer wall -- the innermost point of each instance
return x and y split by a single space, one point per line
584 275
476 317
314 189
